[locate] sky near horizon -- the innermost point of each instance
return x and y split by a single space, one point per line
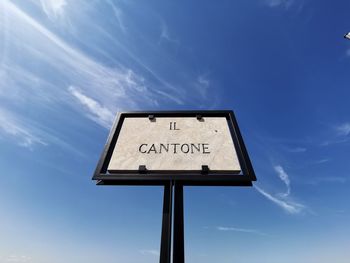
68 67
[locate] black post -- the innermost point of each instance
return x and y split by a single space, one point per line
178 246
165 245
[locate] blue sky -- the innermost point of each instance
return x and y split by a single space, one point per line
67 68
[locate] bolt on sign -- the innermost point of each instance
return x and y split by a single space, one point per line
194 147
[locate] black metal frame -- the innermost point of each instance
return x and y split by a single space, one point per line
179 235
165 243
200 177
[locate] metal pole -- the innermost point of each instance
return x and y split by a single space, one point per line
178 246
165 245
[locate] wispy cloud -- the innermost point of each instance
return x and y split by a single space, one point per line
169 96
99 113
202 85
54 9
343 129
284 177
17 259
168 87
29 134
297 150
152 252
119 15
279 3
165 34
13 128
283 200
326 160
242 230
347 52
288 206
112 88
334 140
64 75
340 134
329 179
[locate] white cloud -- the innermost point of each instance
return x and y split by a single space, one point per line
243 230
101 88
279 3
100 114
13 128
17 259
347 52
297 150
284 177
203 81
118 13
165 35
169 96
29 134
152 252
112 88
322 161
202 85
282 199
328 180
170 89
288 206
340 135
164 32
53 8
343 129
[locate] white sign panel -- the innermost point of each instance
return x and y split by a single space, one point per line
179 143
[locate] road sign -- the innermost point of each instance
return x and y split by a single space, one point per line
194 147
175 149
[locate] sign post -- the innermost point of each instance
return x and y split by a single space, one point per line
175 149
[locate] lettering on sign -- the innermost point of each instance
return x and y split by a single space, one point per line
174 148
173 126
186 148
177 143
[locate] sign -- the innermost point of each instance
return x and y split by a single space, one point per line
175 148
198 148
175 144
